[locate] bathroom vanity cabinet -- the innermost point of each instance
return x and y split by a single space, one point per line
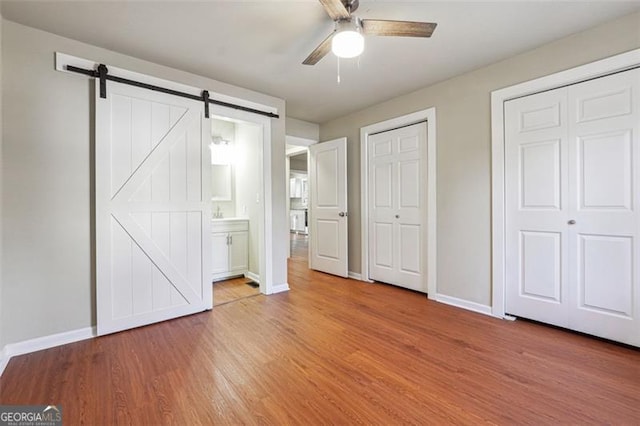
230 239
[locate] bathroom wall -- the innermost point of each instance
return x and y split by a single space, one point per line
248 185
226 130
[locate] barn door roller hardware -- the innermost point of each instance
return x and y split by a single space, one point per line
102 73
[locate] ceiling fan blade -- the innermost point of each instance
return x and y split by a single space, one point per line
378 27
320 51
335 9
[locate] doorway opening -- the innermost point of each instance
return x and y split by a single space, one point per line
299 204
297 169
237 223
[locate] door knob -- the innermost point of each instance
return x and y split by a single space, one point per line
397 216
342 214
572 222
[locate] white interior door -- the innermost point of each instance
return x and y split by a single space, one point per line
152 208
537 213
572 211
604 253
328 236
397 196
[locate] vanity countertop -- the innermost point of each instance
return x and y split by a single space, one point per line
229 224
228 219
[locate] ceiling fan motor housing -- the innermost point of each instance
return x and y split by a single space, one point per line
353 23
351 5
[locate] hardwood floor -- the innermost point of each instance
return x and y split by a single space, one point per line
230 290
299 246
338 351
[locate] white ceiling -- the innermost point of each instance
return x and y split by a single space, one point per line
260 45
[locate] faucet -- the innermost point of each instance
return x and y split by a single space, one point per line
218 213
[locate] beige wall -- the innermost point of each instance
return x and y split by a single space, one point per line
48 273
302 129
1 180
463 149
299 162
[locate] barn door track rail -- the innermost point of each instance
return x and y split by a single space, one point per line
102 73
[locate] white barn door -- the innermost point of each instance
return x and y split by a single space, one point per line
152 168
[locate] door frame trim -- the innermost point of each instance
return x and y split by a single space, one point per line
428 115
600 68
265 218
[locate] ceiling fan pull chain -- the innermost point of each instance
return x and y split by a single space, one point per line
338 70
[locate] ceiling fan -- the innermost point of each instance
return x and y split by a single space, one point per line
347 40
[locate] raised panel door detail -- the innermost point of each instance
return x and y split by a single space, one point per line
408 143
382 148
606 274
409 187
328 232
607 104
382 185
606 175
410 252
327 173
540 175
540 263
383 250
540 118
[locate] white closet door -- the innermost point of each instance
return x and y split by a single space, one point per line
397 206
604 149
536 204
152 208
572 157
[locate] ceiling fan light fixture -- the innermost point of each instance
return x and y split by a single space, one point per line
348 41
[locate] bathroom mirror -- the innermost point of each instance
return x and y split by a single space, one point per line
221 182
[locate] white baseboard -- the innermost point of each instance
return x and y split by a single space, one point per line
45 342
252 276
279 288
354 276
464 304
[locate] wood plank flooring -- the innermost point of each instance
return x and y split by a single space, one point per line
230 290
299 246
333 351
